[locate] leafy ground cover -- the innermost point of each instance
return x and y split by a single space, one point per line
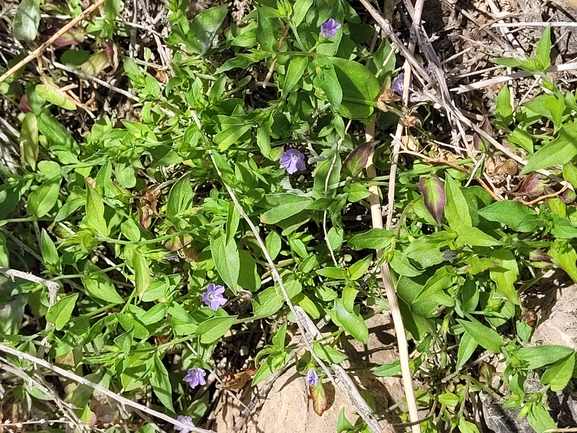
181 177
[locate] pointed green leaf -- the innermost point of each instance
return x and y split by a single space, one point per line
42 200
292 205
457 209
226 259
179 198
60 313
559 374
26 20
563 255
485 336
371 239
161 383
353 323
559 151
29 140
505 275
212 329
204 27
53 94
295 71
141 272
95 211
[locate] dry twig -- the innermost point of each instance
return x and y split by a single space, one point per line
38 51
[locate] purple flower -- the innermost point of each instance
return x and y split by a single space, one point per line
399 84
312 377
292 160
212 296
195 377
329 28
185 420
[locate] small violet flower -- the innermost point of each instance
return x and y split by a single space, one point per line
292 160
195 377
212 296
312 377
399 84
185 420
329 28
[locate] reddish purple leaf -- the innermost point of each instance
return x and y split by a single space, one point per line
433 191
74 36
24 106
358 158
319 398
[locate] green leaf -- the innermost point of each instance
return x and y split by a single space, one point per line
486 337
49 253
543 50
204 27
517 216
160 382
179 198
99 286
326 79
449 399
273 243
540 419
267 302
467 347
295 71
570 174
503 109
42 200
53 94
54 131
332 272
300 9
559 374
155 314
328 354
141 272
29 140
4 252
563 254
212 329
353 323
388 370
248 277
506 274
26 20
359 85
371 239
559 151
467 426
512 62
521 138
231 135
539 356
477 238
95 211
356 192
402 266
226 259
358 269
60 313
343 425
290 206
457 209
